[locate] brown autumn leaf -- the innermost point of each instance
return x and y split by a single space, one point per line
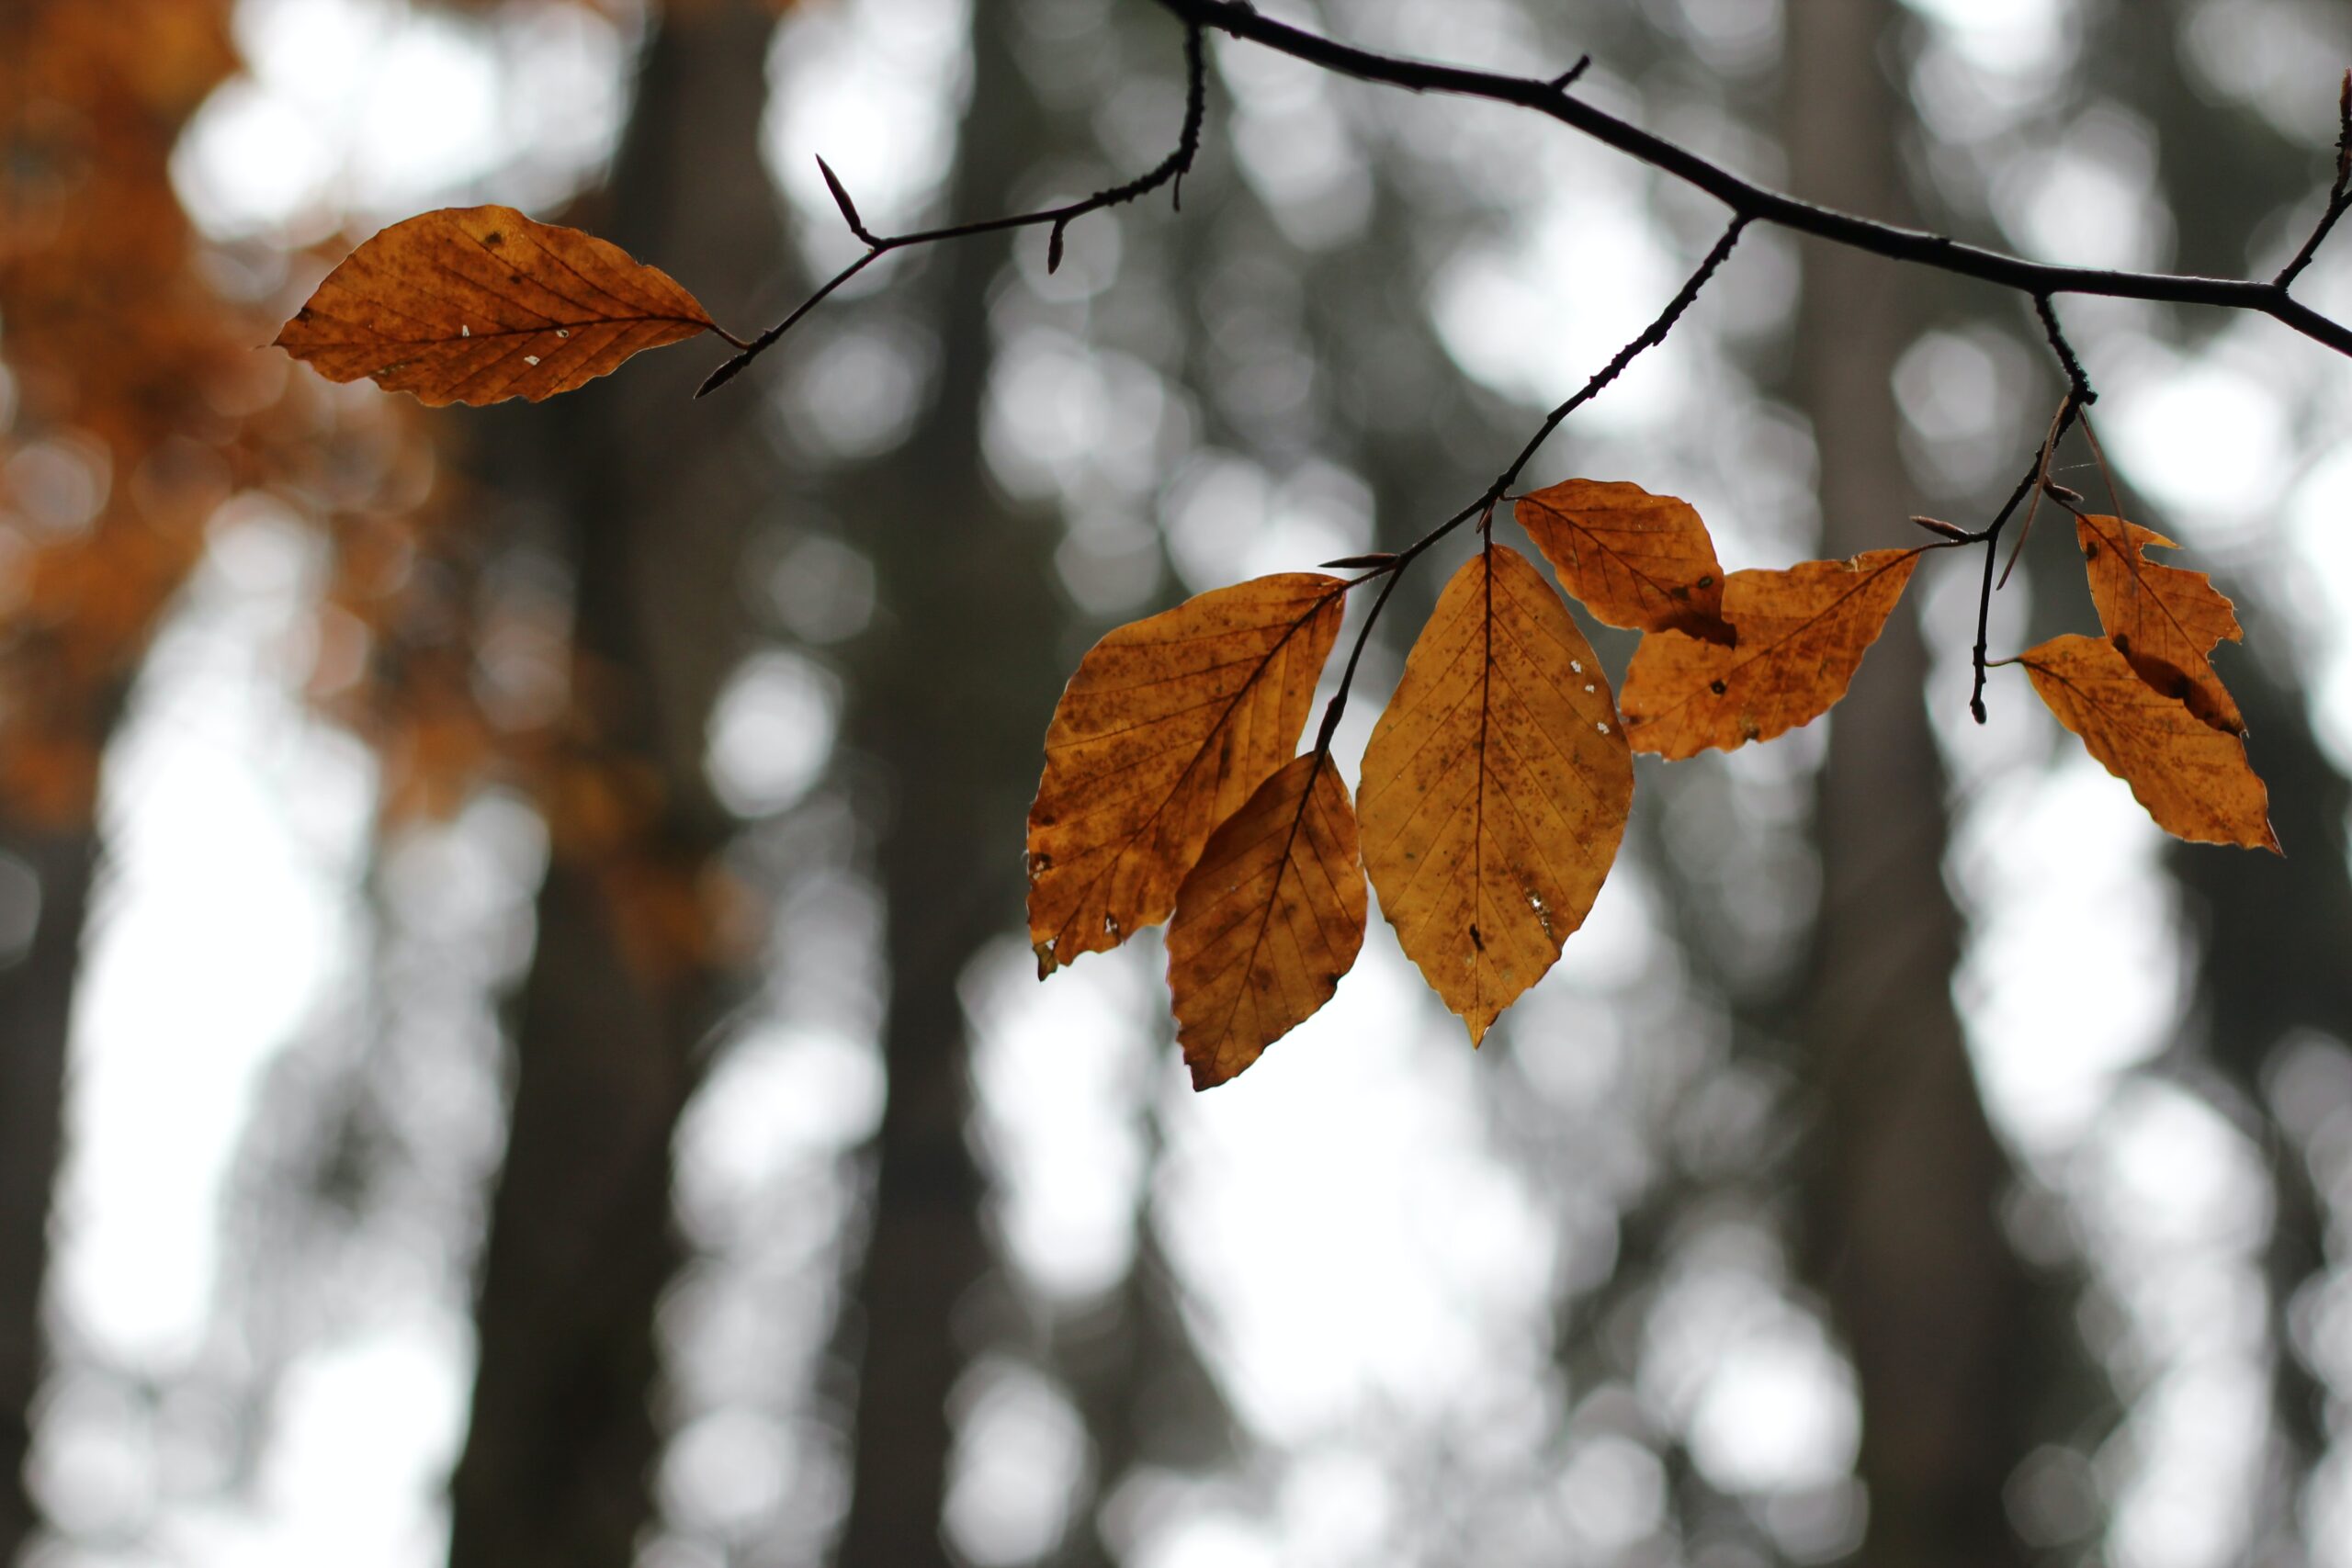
1495 787
1268 920
1167 728
2194 779
1802 633
1633 559
479 304
2165 619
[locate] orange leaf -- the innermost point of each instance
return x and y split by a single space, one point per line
1495 787
480 304
1633 559
2165 619
1268 921
2194 779
1802 633
1168 726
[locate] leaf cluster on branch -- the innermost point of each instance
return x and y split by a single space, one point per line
1496 784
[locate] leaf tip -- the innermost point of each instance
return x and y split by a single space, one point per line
724 374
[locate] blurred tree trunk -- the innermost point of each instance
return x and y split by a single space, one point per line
2274 932
1137 1378
624 990
952 692
36 1016
1903 1238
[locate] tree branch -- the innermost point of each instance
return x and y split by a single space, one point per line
2036 475
1170 172
2339 192
1392 566
1237 20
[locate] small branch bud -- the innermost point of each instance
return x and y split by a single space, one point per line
1952 530
2065 495
842 200
1054 249
1376 557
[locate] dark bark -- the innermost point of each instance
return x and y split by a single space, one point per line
35 1018
655 492
1140 1385
954 688
1902 1240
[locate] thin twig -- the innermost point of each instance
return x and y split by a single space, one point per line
2080 395
1652 335
2041 487
1991 537
1393 567
2339 192
1567 78
2078 384
1238 19
1170 172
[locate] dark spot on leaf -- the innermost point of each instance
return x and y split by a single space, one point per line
1477 941
494 239
1716 687
1707 580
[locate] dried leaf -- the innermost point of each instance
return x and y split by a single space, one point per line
1495 787
480 304
2165 619
1168 726
1268 921
2194 779
1633 559
1802 633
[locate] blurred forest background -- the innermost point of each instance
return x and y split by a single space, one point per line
516 1042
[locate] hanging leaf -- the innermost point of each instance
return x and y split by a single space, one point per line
1495 787
1167 726
1268 921
2165 619
2194 779
1802 633
480 304
1633 559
